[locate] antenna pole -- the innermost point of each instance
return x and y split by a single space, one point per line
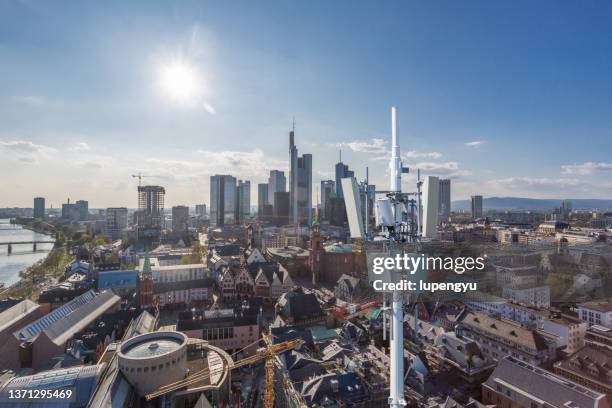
396 388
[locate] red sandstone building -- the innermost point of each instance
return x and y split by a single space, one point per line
329 262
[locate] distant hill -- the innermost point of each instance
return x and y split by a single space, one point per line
533 204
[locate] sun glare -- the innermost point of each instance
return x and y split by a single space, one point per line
180 82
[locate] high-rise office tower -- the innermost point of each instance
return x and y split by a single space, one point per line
83 207
200 210
70 211
180 219
565 210
116 222
444 199
328 191
300 184
262 198
476 206
222 200
281 207
431 206
39 207
342 171
78 211
368 199
243 200
277 182
150 214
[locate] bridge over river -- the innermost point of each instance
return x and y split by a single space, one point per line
11 244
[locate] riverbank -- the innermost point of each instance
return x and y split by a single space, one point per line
38 226
41 274
23 272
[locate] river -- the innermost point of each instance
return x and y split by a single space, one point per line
22 255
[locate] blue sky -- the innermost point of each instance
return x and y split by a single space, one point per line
506 98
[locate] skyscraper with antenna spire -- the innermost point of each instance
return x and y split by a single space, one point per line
300 183
342 171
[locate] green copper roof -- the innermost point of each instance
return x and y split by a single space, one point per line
146 267
339 248
323 333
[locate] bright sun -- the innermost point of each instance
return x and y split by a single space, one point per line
180 82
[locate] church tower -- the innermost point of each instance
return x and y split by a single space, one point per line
145 285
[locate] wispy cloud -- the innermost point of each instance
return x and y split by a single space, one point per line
586 168
22 146
26 151
475 143
449 169
251 165
377 146
31 100
27 159
89 165
80 147
522 182
413 154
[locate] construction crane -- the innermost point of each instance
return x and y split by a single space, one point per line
267 353
140 176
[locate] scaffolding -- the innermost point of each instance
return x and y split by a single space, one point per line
151 206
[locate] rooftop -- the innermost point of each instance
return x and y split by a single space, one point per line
506 329
603 306
16 312
220 318
352 281
152 344
153 347
289 252
144 323
117 279
175 267
541 384
590 361
81 380
70 318
227 250
163 287
339 248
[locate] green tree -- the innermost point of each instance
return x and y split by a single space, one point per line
196 255
101 240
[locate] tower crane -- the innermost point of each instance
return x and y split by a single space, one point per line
267 353
140 176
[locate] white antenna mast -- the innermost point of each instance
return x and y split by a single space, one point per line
396 389
397 231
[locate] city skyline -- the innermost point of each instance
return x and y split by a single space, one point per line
499 111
